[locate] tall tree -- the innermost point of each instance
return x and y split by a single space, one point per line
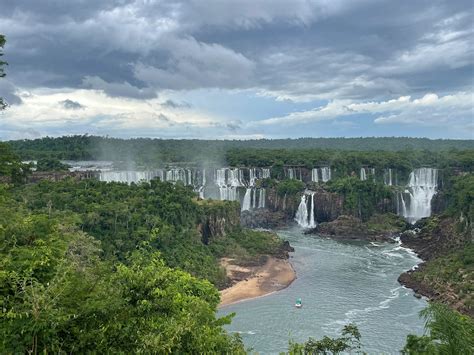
2 71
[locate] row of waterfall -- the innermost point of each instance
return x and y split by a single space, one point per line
364 172
321 174
241 184
233 184
414 202
254 198
304 217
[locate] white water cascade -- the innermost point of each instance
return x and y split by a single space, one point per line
247 199
312 223
363 175
302 217
326 174
261 198
415 202
129 176
228 180
388 179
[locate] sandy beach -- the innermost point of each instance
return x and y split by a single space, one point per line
256 281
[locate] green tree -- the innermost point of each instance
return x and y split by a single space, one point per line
448 332
58 295
11 166
2 64
51 164
348 342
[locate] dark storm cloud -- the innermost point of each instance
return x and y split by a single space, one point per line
298 50
71 105
8 93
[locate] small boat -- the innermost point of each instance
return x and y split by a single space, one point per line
298 303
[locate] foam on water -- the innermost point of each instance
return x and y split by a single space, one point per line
339 282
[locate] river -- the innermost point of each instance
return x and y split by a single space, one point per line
339 282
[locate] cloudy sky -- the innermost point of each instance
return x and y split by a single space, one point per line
238 69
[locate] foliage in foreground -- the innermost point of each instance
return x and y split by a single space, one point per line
349 341
58 295
163 215
448 332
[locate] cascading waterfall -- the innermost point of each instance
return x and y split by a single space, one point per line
326 174
246 201
265 173
228 180
364 172
261 199
314 175
291 173
201 189
388 177
129 176
312 223
415 201
177 174
301 216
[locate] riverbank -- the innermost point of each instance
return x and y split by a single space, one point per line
446 274
253 281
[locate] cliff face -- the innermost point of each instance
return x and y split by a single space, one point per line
439 203
280 210
218 219
447 274
327 206
380 227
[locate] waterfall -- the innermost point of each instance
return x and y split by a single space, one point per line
128 176
314 175
265 173
246 201
420 190
363 175
291 173
228 180
261 198
388 177
252 176
312 223
177 174
302 217
326 174
254 198
302 213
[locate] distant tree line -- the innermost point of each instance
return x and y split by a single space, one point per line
158 151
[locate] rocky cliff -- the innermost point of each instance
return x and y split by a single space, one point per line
447 273
218 218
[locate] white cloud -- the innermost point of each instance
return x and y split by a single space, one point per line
99 113
429 110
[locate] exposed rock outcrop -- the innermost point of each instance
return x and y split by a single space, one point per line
219 218
263 218
444 275
378 228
